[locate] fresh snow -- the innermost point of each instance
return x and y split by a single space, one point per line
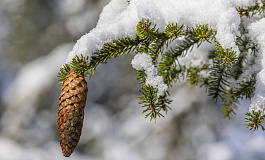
120 17
258 35
143 61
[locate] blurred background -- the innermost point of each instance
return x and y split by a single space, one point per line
35 38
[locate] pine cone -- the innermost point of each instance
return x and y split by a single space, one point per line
72 103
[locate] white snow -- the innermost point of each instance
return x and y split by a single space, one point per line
243 3
119 19
143 61
258 35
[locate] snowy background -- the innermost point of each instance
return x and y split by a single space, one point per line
35 39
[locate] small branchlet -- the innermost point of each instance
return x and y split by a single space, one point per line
229 103
174 31
255 120
203 33
218 80
110 50
250 11
194 75
146 31
79 65
246 88
227 56
152 103
63 72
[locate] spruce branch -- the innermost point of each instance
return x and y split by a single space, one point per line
63 72
245 44
157 47
246 86
168 67
166 49
80 64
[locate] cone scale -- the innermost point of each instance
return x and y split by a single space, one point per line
72 103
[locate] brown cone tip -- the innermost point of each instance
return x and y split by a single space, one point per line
72 102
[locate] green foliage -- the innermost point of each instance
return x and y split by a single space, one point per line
168 68
254 121
79 64
63 72
246 89
252 10
109 51
222 76
229 103
226 56
217 80
112 50
203 33
146 31
195 77
174 31
152 104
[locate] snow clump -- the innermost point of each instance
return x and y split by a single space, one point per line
143 61
119 19
258 35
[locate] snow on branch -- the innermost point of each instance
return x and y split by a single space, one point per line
143 61
119 19
258 35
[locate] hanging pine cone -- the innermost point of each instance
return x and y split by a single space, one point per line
72 102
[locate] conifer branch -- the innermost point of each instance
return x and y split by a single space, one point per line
226 66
